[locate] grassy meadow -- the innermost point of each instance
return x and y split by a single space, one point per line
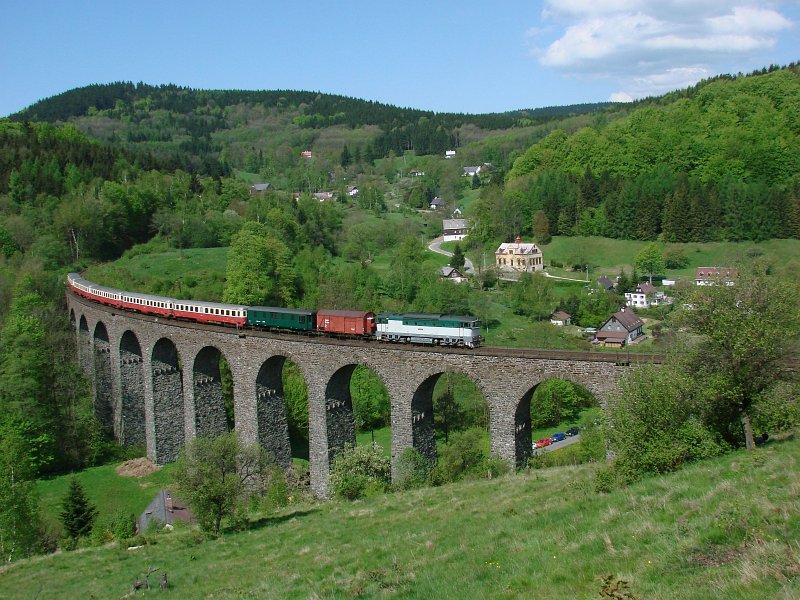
727 528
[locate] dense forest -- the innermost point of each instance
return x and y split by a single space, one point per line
719 162
177 120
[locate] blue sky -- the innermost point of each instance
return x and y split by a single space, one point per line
465 56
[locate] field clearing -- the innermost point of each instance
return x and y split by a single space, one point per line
726 528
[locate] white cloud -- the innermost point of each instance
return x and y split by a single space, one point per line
620 97
649 45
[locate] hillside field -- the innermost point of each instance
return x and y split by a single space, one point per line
721 529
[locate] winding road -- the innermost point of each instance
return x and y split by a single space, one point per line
436 246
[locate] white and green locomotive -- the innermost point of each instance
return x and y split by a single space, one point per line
427 328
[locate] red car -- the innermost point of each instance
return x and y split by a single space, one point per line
544 442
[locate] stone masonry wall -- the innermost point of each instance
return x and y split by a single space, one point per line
176 409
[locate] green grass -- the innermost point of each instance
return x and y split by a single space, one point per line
608 256
726 528
199 275
106 489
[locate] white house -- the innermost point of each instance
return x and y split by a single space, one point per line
452 274
454 229
645 296
449 153
519 256
560 318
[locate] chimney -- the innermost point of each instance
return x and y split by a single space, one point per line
517 240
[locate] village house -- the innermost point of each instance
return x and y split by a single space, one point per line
645 296
352 191
260 188
605 283
437 203
519 256
416 173
449 153
714 276
620 329
560 318
452 274
454 229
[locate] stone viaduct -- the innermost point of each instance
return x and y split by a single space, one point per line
157 383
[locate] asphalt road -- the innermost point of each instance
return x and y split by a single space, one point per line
562 444
436 246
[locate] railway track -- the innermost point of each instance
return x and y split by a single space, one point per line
618 357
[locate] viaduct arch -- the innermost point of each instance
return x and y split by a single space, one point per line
158 382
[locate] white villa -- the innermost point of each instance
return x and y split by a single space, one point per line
519 256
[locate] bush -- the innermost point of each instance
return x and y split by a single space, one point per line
412 470
653 425
777 409
463 456
360 471
675 258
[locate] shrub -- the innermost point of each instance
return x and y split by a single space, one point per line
675 258
653 427
777 409
412 470
360 471
463 456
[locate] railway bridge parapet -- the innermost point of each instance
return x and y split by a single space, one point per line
158 383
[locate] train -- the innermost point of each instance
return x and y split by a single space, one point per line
405 328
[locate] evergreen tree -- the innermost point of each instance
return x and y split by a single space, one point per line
457 260
345 159
77 513
541 227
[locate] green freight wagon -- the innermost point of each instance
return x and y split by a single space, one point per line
271 317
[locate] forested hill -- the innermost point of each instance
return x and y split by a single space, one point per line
720 161
175 119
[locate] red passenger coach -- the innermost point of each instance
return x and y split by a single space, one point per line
346 322
210 312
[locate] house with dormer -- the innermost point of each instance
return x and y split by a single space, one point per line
620 329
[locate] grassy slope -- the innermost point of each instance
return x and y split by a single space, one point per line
106 490
722 529
607 256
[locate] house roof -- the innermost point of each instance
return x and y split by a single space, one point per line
614 335
260 187
628 319
605 282
518 247
560 315
454 223
646 288
450 272
471 170
165 509
437 201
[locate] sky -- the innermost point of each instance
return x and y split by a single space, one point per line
468 56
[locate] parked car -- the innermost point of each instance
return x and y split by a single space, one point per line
573 431
545 442
558 436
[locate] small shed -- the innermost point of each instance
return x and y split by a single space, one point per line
560 318
164 509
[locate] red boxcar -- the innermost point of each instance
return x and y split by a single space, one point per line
346 322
